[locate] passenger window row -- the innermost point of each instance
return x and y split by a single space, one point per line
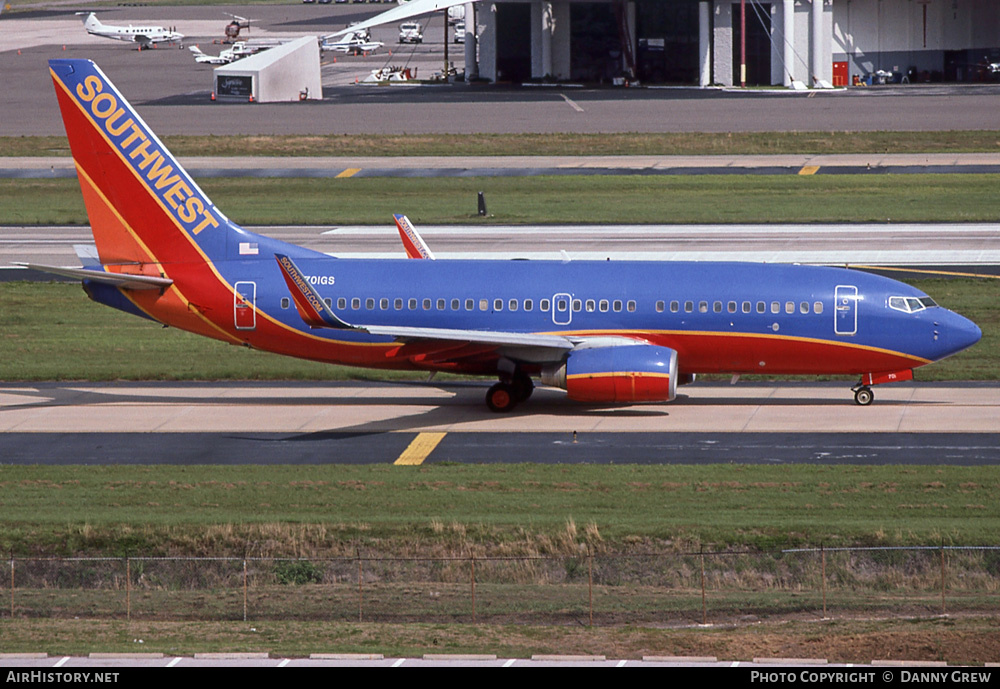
413 304
775 307
563 305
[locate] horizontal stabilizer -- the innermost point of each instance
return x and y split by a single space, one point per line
124 280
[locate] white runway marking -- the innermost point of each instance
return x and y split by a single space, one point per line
572 104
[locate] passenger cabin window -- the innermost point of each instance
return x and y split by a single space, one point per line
284 302
660 307
544 304
341 303
528 304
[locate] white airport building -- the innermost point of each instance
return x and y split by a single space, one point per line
699 42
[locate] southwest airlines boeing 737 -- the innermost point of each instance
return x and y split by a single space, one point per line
605 331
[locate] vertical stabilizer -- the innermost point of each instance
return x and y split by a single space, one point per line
143 207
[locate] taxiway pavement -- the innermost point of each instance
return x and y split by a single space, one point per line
955 248
304 423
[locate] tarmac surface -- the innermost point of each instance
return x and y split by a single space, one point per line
413 423
172 92
27 167
949 248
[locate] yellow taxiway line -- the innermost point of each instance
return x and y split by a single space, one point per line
419 449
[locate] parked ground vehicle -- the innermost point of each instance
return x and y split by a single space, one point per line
411 32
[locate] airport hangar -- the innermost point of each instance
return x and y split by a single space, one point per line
698 42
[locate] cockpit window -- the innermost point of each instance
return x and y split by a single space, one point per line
911 304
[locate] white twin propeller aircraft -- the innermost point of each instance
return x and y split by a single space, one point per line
145 36
356 42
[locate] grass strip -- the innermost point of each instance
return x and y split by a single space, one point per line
441 510
962 640
645 144
560 199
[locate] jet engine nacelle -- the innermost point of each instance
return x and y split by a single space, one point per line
626 373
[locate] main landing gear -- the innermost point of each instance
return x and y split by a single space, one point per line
509 392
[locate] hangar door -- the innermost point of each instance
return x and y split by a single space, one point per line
595 46
668 42
513 42
758 43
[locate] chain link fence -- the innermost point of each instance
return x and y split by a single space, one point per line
590 588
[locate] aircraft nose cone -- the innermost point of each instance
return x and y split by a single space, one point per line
968 333
960 333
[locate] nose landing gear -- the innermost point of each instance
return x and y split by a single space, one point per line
863 395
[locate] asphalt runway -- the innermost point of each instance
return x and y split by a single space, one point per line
172 92
954 248
412 423
531 166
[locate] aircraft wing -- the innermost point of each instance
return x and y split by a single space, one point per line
317 314
411 9
117 279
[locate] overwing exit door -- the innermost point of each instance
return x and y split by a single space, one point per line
562 312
